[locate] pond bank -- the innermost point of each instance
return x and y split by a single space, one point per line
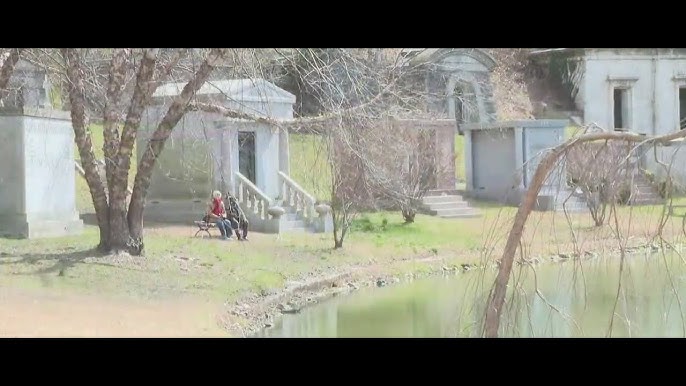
251 314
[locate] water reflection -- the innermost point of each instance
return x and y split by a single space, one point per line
571 299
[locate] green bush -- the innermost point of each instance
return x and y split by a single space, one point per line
365 224
624 195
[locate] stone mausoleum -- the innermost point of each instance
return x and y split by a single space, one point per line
501 159
208 151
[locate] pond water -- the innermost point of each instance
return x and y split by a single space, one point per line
569 299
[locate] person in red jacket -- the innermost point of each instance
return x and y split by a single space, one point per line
217 213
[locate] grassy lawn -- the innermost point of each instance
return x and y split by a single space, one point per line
176 264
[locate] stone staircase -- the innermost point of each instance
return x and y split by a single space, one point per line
295 221
447 204
643 192
562 200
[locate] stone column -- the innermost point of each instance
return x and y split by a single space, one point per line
520 156
227 176
284 152
445 154
469 172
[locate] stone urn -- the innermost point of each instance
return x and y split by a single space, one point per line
322 209
276 212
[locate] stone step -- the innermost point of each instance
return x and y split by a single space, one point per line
291 216
571 204
644 201
289 209
471 214
447 205
295 224
461 212
429 200
646 195
442 192
575 209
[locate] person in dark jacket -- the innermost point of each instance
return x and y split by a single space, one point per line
239 222
218 214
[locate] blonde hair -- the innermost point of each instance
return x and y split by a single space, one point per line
216 194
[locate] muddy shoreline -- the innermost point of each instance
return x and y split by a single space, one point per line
260 311
251 314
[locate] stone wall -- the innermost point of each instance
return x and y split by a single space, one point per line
653 78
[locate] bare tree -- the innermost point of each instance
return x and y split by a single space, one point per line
597 170
403 165
369 159
121 226
350 188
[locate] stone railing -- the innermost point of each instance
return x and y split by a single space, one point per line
254 200
295 196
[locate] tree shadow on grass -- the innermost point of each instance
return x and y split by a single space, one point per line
57 262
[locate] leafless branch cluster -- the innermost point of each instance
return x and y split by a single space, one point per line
600 172
496 305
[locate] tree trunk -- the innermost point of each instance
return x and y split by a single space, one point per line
497 296
338 218
156 144
119 232
89 164
340 230
135 224
408 215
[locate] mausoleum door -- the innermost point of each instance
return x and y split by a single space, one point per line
246 155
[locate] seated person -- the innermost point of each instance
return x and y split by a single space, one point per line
217 213
237 218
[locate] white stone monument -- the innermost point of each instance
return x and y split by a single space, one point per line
207 151
37 189
501 159
37 176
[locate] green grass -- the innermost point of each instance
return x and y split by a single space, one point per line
386 229
309 164
176 264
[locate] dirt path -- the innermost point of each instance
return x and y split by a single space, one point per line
38 314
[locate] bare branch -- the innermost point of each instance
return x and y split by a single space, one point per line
117 77
82 136
7 69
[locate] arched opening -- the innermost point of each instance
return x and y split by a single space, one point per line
465 104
